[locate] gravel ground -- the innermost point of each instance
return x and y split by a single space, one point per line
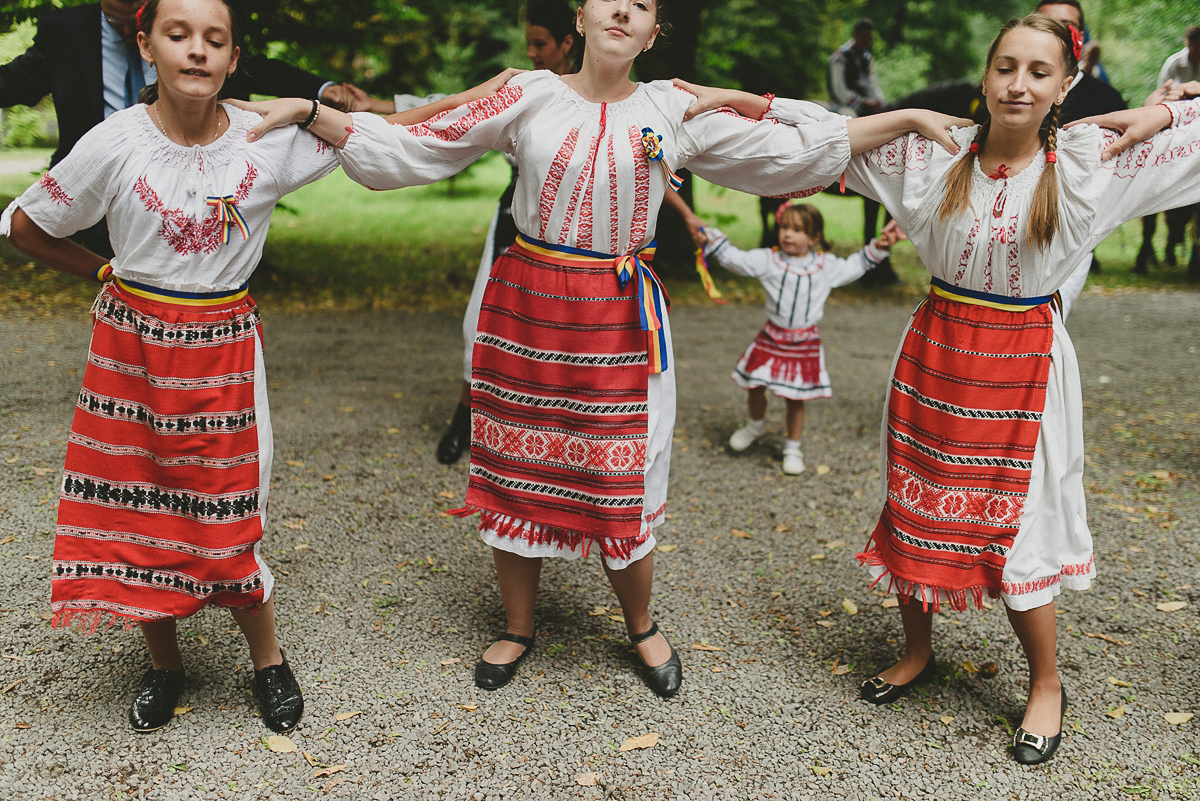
385 603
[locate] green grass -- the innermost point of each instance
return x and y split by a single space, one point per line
335 244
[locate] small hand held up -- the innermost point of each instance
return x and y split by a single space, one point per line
276 113
890 235
1134 125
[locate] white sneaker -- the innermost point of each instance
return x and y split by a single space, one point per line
793 463
745 436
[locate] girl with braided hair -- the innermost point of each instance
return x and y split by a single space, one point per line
983 434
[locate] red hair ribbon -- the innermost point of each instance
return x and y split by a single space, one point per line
974 148
1052 157
141 12
1076 41
780 209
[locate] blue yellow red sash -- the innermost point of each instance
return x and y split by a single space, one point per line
229 217
945 289
652 306
182 298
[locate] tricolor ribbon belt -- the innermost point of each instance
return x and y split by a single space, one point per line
181 298
229 217
944 289
651 299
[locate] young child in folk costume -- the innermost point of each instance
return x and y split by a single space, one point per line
573 390
786 357
983 433
164 496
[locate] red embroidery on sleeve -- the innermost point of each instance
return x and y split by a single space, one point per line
55 191
477 111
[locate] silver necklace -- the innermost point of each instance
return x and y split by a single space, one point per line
163 128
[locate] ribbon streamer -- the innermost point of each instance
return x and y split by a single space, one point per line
706 277
229 217
653 144
650 306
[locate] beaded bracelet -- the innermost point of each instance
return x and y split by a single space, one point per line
103 272
312 116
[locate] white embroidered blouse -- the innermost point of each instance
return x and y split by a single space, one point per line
985 249
796 287
585 180
156 193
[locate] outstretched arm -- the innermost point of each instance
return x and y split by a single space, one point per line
1134 125
423 113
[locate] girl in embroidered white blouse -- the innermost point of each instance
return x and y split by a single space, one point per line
573 394
983 482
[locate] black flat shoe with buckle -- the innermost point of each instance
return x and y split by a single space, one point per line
278 697
664 679
155 702
489 676
879 692
1034 749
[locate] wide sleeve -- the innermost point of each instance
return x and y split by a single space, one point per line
755 263
841 271
795 156
384 156
905 174
1160 173
75 193
294 157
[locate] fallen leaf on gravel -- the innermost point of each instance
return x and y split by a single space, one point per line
703 646
849 607
12 684
835 544
587 779
447 494
1118 682
308 758
22 725
324 773
1163 475
969 667
817 557
343 716
451 661
1178 718
780 528
45 471
839 670
469 707
743 535
645 741
617 618
947 719
820 771
329 785
822 469
890 603
183 710
1119 712
597 611
666 548
1106 638
294 463
280 744
294 525
345 409
7 540
1171 606
393 430
825 624
988 605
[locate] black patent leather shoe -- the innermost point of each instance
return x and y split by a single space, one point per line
457 437
155 702
879 692
664 679
278 697
489 676
1034 749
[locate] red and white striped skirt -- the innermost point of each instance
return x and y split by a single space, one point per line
168 461
790 362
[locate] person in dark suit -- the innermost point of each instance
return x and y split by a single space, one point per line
86 57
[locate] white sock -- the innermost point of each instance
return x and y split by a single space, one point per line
757 426
791 446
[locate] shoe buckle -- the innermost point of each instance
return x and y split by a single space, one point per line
1037 741
877 683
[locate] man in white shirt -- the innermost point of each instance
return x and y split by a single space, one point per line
1183 66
